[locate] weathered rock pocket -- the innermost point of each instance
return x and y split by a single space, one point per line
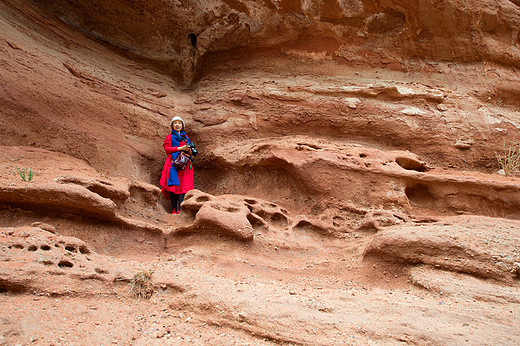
37 261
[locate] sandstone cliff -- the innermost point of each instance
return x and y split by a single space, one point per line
347 186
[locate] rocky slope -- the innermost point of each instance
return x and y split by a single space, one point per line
346 183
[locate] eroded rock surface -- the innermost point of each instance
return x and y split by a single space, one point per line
214 260
331 175
346 178
36 261
82 192
486 248
183 35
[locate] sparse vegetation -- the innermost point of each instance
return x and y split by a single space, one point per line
25 175
509 161
141 285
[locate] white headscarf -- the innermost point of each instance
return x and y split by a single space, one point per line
177 118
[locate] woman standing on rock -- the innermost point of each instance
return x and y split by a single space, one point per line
176 182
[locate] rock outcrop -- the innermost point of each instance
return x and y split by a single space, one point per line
346 181
184 37
285 79
487 248
83 192
332 175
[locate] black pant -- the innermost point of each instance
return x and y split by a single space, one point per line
176 200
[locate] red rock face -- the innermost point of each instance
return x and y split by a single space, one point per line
348 158
181 36
305 82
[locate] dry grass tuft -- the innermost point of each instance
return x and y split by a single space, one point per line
141 285
509 161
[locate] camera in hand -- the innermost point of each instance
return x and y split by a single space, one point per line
193 150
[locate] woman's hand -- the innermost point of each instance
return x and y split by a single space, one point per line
185 148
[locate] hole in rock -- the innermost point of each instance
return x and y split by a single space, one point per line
18 246
70 248
250 201
411 165
7 286
32 248
193 39
262 214
65 264
84 250
202 199
362 155
279 219
255 221
45 247
419 194
305 226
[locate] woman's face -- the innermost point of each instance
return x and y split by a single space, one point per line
177 125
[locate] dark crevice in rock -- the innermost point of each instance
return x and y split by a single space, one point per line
411 165
65 264
419 195
193 39
11 287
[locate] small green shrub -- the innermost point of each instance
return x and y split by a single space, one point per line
26 175
509 161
